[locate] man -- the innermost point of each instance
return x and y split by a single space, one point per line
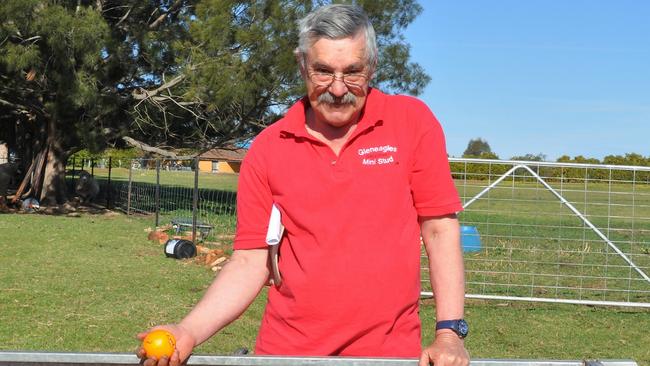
357 176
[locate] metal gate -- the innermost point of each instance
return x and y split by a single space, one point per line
555 232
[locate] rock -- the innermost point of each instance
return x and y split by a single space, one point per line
158 236
218 261
202 250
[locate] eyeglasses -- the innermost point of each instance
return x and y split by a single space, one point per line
354 80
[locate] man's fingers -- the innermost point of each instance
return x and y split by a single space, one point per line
425 359
175 360
164 361
449 360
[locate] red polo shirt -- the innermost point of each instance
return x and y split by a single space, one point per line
350 256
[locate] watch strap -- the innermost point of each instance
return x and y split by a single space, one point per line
459 326
447 324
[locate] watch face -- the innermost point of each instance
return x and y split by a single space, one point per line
463 328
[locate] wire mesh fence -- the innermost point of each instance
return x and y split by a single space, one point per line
166 189
531 230
555 232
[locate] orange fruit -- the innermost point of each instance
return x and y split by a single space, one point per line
159 343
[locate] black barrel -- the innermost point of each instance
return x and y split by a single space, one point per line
180 248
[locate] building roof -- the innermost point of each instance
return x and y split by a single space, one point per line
225 154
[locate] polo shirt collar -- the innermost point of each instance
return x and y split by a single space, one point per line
370 117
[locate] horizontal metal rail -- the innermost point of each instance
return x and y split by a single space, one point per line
111 359
550 164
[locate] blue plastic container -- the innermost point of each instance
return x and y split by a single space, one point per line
470 239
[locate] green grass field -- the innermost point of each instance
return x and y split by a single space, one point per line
90 283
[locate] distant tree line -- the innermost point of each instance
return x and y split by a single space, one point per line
480 148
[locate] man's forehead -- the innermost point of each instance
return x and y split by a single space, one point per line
323 64
344 52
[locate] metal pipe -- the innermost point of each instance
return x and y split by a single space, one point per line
195 197
157 192
550 164
481 193
128 194
108 191
429 294
107 359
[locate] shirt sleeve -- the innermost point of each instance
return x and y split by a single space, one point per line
432 186
254 201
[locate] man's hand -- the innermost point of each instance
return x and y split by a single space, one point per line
185 343
446 350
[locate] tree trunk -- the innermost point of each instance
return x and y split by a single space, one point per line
53 190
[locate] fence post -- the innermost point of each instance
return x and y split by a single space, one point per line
108 196
128 193
195 197
157 191
73 173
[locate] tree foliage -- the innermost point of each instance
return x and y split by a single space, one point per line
530 157
172 73
479 148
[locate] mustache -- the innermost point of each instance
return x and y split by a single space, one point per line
328 98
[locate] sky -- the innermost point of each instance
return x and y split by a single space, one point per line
556 77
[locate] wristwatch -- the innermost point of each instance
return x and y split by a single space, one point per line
459 326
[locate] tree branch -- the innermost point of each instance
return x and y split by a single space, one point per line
163 16
124 17
144 147
13 105
142 94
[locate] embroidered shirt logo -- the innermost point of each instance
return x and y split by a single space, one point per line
370 155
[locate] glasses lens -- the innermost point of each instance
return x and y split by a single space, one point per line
354 79
322 78
325 79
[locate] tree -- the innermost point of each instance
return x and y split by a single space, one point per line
159 74
530 157
479 148
577 159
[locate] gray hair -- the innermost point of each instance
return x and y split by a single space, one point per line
335 21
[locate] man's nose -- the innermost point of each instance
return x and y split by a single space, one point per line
338 88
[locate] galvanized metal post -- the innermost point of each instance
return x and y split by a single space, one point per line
108 191
157 191
73 172
195 197
128 193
